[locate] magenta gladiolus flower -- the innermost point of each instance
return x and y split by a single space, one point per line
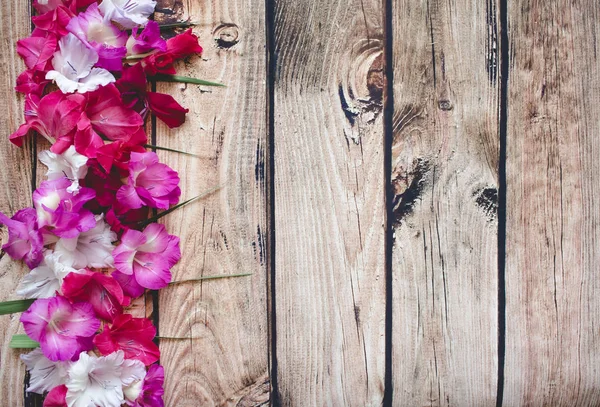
150 183
148 255
101 291
147 40
61 210
25 241
150 393
63 329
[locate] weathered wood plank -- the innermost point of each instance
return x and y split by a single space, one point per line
444 176
329 202
553 142
225 359
16 174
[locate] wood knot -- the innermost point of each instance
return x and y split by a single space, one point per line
445 105
226 35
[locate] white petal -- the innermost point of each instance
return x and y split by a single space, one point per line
90 249
44 280
65 84
69 164
74 59
97 77
96 381
45 374
128 13
132 370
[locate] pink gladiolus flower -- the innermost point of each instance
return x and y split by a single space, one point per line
61 210
38 49
148 255
128 283
151 392
57 397
32 81
101 291
25 241
131 335
150 183
147 40
55 116
62 329
54 21
98 33
133 87
45 6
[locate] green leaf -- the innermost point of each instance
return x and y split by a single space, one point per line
182 24
10 307
174 338
23 342
138 56
186 79
193 280
169 149
182 204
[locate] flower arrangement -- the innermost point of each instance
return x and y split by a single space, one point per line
88 239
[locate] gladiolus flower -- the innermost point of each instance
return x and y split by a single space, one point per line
150 183
133 87
131 335
151 392
74 69
178 47
92 248
62 329
128 13
101 291
61 210
25 241
99 381
47 278
147 40
69 164
37 50
44 373
148 255
98 33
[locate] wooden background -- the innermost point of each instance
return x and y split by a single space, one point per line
413 184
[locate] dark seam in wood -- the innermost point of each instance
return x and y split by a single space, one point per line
271 272
154 293
503 128
388 123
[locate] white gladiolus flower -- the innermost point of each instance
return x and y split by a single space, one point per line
45 374
74 68
69 164
128 13
90 249
47 278
99 381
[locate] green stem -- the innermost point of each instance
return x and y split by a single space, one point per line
21 341
11 307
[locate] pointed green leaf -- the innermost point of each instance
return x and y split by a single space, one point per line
169 149
23 342
210 278
182 24
186 79
10 307
182 204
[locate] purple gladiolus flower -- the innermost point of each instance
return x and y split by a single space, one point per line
25 241
64 330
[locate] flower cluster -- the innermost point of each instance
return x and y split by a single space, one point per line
87 239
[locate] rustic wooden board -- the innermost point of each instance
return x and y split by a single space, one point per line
445 180
553 140
17 173
329 202
224 361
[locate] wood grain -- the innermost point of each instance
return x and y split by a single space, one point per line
552 304
224 360
329 202
16 174
444 176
